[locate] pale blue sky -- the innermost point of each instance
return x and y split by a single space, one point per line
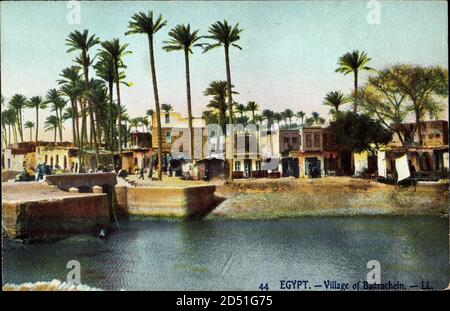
290 49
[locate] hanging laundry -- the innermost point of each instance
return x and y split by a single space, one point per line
401 164
382 163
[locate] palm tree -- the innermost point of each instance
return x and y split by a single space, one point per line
258 119
29 125
145 122
268 115
353 63
218 90
241 109
37 102
134 122
252 107
277 117
9 119
104 69
167 108
70 114
335 99
301 115
58 103
52 124
182 39
315 117
18 102
225 35
142 23
72 87
83 42
289 114
116 52
4 124
98 96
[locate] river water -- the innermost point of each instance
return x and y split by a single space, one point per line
240 255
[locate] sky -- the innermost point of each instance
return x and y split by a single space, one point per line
289 49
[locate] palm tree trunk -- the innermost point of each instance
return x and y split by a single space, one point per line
83 135
54 138
31 134
37 123
118 107
4 138
21 125
9 134
230 107
15 133
189 103
60 125
158 111
111 121
91 115
355 106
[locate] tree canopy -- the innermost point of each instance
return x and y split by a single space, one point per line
358 132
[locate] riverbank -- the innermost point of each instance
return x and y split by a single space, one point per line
329 196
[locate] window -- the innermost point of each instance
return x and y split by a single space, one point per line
286 140
167 118
258 165
237 166
294 140
438 135
308 138
57 159
46 158
168 138
299 139
316 140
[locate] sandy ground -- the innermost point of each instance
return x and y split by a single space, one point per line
31 191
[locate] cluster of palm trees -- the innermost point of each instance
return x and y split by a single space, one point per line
185 39
218 111
89 102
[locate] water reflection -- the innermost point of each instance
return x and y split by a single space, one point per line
223 255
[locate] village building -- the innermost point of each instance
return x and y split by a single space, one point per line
19 156
428 159
289 140
139 155
175 149
59 156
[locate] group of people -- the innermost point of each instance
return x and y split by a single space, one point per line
42 170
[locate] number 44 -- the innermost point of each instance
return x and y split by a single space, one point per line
264 286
